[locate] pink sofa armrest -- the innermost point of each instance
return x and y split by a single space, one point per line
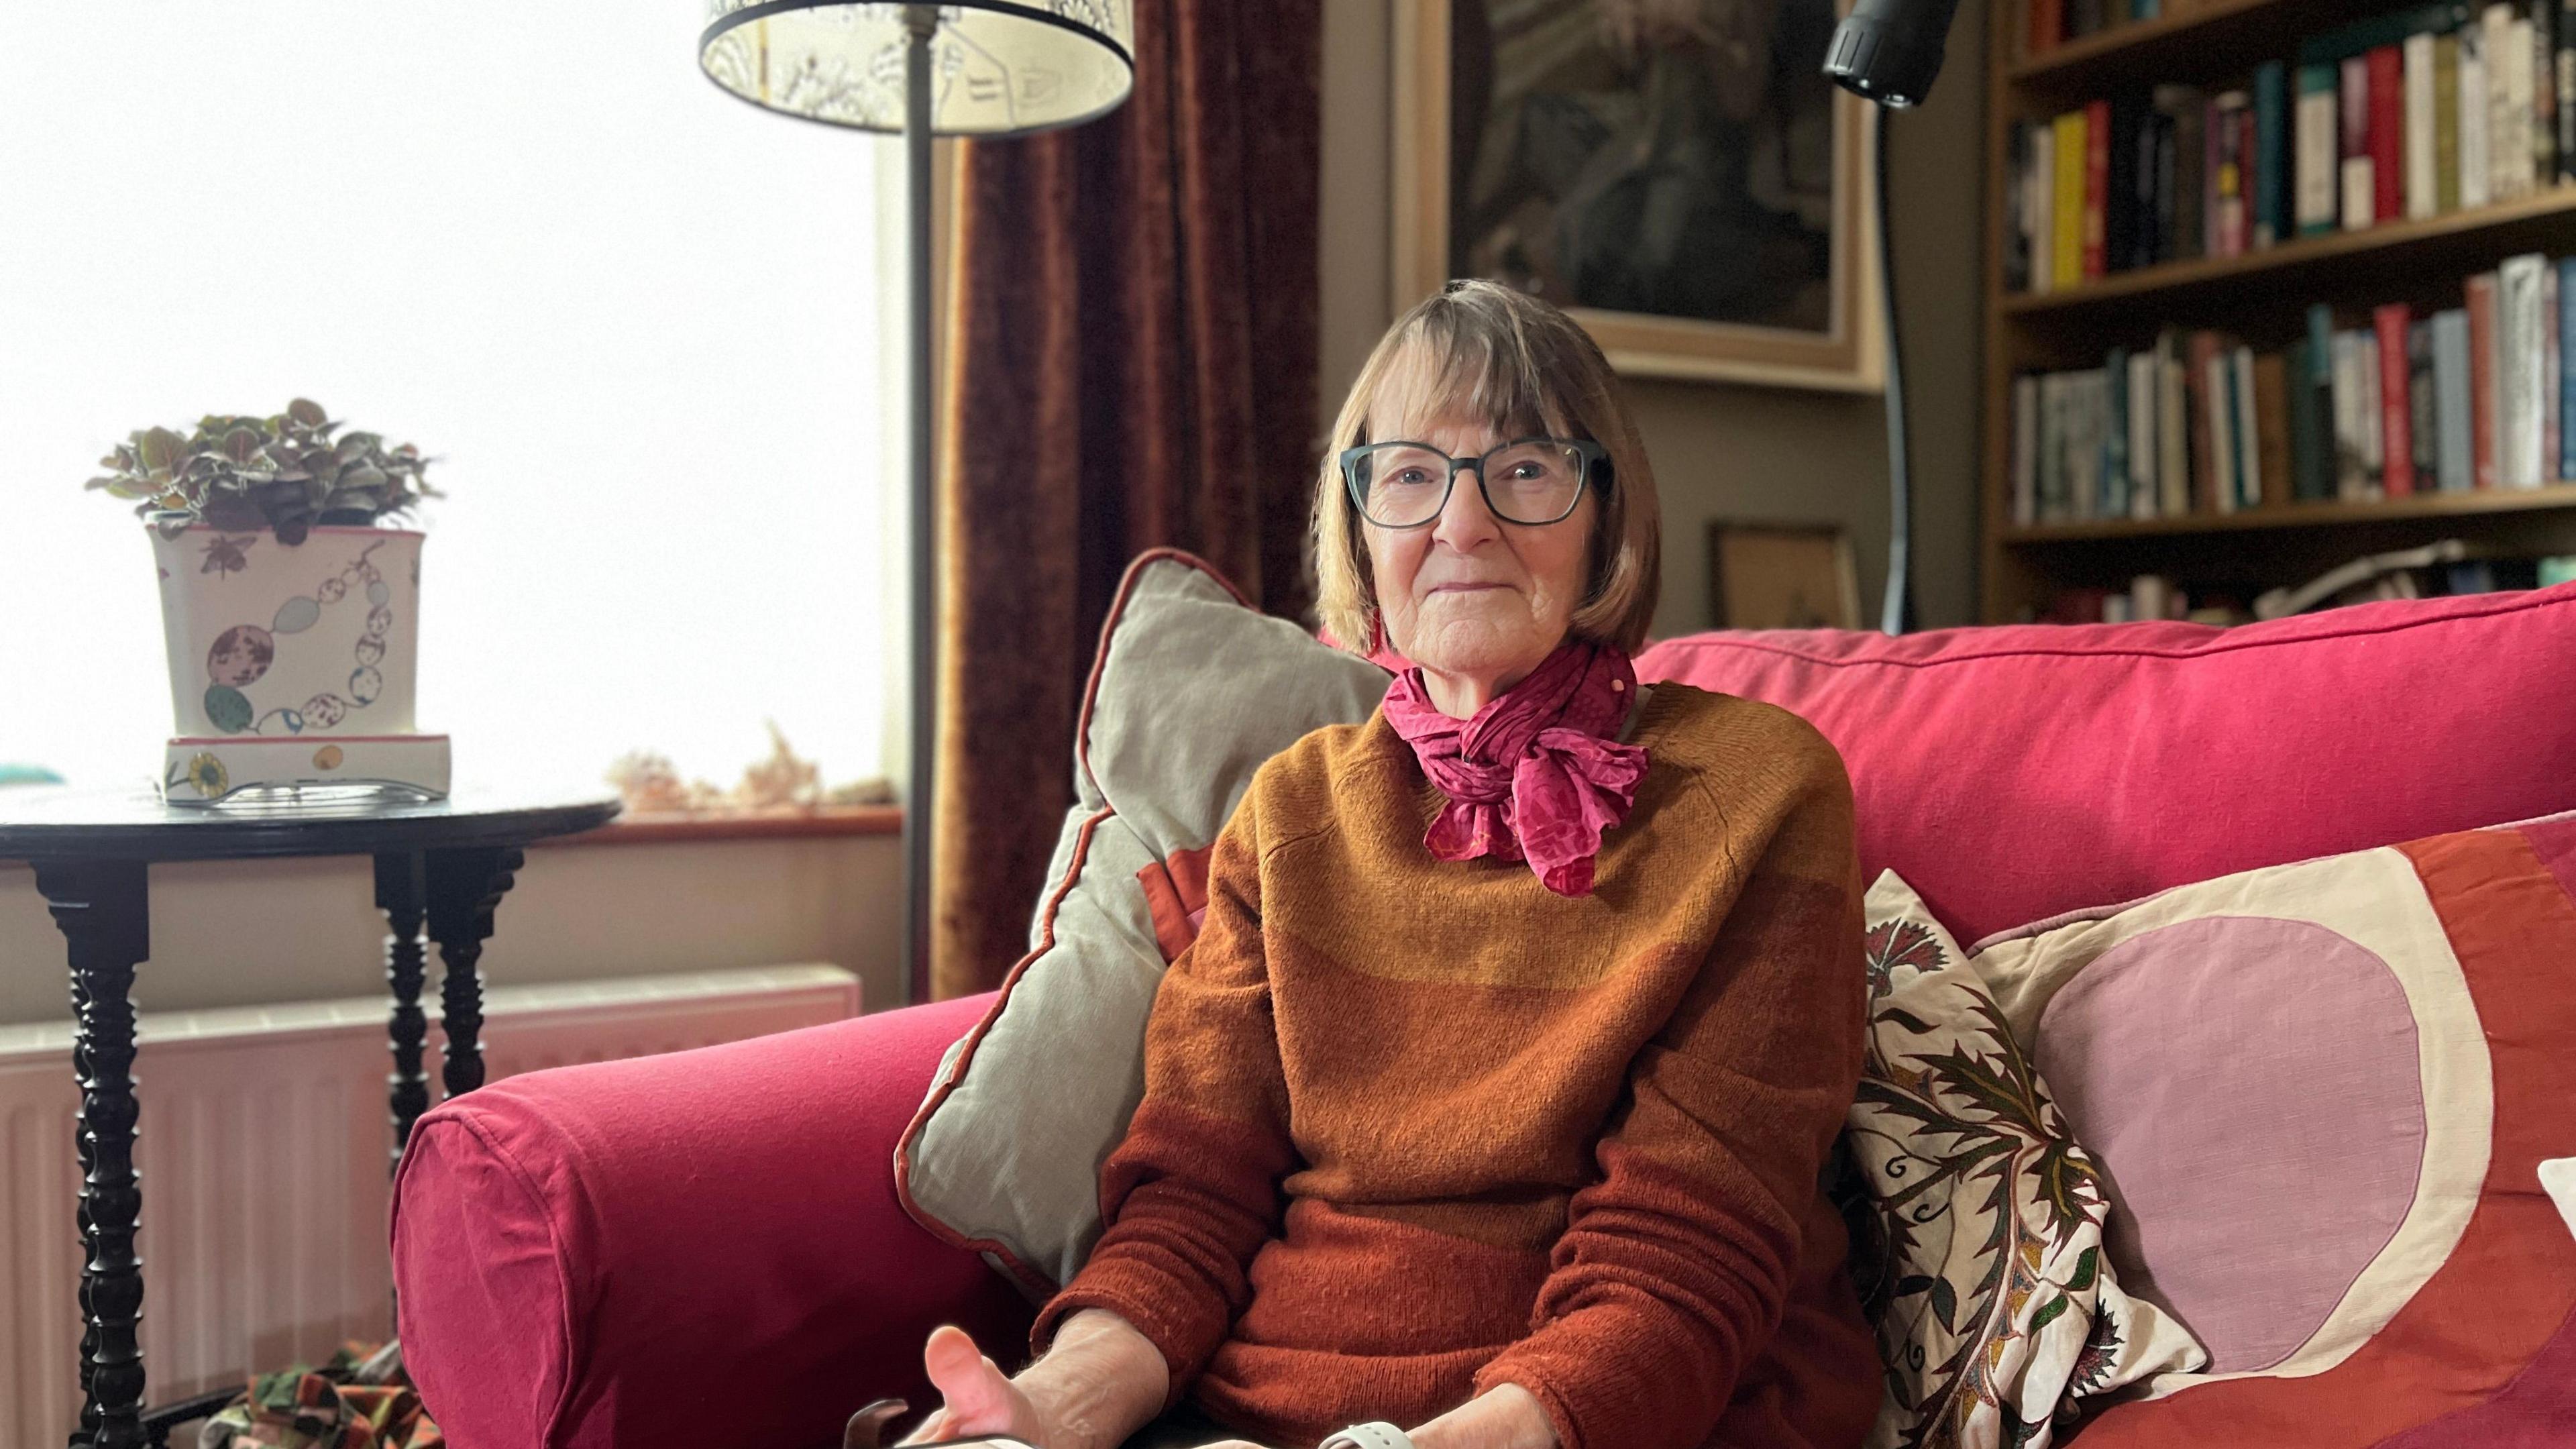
682 1250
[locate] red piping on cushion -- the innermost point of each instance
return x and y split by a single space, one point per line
2223 641
1029 1278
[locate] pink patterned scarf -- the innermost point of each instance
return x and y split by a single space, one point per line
1538 773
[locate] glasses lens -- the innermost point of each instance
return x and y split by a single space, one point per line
1534 482
1402 485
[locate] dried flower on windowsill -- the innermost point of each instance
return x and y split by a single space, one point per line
783 783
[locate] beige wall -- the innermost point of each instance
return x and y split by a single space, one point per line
242 933
1725 450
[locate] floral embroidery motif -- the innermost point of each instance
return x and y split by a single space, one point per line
1995 1307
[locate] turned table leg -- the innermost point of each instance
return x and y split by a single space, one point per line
465 886
402 894
100 906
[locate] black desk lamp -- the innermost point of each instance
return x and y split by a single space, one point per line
1889 51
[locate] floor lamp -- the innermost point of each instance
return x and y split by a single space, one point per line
969 68
1890 51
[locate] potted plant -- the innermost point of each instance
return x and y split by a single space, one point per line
289 609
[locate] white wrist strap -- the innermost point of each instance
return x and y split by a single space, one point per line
1379 1435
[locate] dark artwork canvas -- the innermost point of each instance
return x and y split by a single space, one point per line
1667 157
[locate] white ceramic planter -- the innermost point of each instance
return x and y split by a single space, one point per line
293 666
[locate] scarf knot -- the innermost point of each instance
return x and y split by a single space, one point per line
1538 773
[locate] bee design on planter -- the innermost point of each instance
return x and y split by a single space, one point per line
227 555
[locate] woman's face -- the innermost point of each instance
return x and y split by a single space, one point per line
1476 602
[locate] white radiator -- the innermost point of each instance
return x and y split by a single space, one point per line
263 1148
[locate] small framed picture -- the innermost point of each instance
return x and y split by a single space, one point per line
1782 576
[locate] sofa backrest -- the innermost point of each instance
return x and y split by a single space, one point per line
2010 773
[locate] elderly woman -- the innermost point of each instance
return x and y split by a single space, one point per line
1489 1108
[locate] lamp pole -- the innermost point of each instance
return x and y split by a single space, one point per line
920 23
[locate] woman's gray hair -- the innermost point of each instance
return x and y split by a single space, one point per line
1478 349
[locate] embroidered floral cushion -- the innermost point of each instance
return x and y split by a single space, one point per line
1996 1309
1192 691
2320 1097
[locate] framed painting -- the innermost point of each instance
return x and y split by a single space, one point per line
1782 576
1679 174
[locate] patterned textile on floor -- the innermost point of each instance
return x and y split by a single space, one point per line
361 1399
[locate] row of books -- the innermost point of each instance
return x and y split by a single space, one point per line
2412 114
2366 580
2473 396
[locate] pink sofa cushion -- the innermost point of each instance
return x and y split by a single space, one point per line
2015 772
692 1249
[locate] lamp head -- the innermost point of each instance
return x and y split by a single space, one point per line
1889 51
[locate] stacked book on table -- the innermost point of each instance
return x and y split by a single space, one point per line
2196 421
2406 115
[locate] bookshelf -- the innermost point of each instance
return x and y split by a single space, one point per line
2259 295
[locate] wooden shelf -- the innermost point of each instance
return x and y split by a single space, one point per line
2153 46
2303 515
2396 241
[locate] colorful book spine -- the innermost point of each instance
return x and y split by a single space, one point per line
2188 108
2422 174
2476 175
2143 434
2202 369
2519 425
2039 197
2115 435
2272 427
2455 425
2325 433
2360 186
2313 127
2563 74
2272 218
2387 132
2480 293
2421 418
2446 123
2067 268
2396 408
2244 421
2047 25
2097 188
2227 194
2173 426
2542 17
2566 374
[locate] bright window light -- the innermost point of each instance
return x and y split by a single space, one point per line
652 335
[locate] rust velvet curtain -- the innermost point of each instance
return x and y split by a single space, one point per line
1131 362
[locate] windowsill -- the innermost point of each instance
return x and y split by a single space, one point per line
709 827
789 823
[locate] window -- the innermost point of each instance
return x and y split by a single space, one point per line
652 335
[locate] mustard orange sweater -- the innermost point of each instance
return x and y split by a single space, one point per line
1412 1129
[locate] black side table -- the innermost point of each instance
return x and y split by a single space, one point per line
446 863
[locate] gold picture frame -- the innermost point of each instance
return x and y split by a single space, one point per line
1846 353
1782 576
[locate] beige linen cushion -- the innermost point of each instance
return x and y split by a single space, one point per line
1192 691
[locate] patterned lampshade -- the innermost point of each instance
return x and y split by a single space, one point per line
998 67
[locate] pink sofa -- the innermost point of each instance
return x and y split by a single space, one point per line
707 1248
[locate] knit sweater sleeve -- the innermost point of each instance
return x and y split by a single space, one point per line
1192 1191
1676 1263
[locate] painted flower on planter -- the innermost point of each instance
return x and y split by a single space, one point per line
371 652
207 774
364 685
241 655
325 710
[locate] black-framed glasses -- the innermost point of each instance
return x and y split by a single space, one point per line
1528 481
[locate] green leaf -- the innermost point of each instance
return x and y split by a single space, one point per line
1945 1302
307 412
2048 1312
1906 1019
2085 1266
1909 1286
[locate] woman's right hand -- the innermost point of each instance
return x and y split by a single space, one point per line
981 1399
